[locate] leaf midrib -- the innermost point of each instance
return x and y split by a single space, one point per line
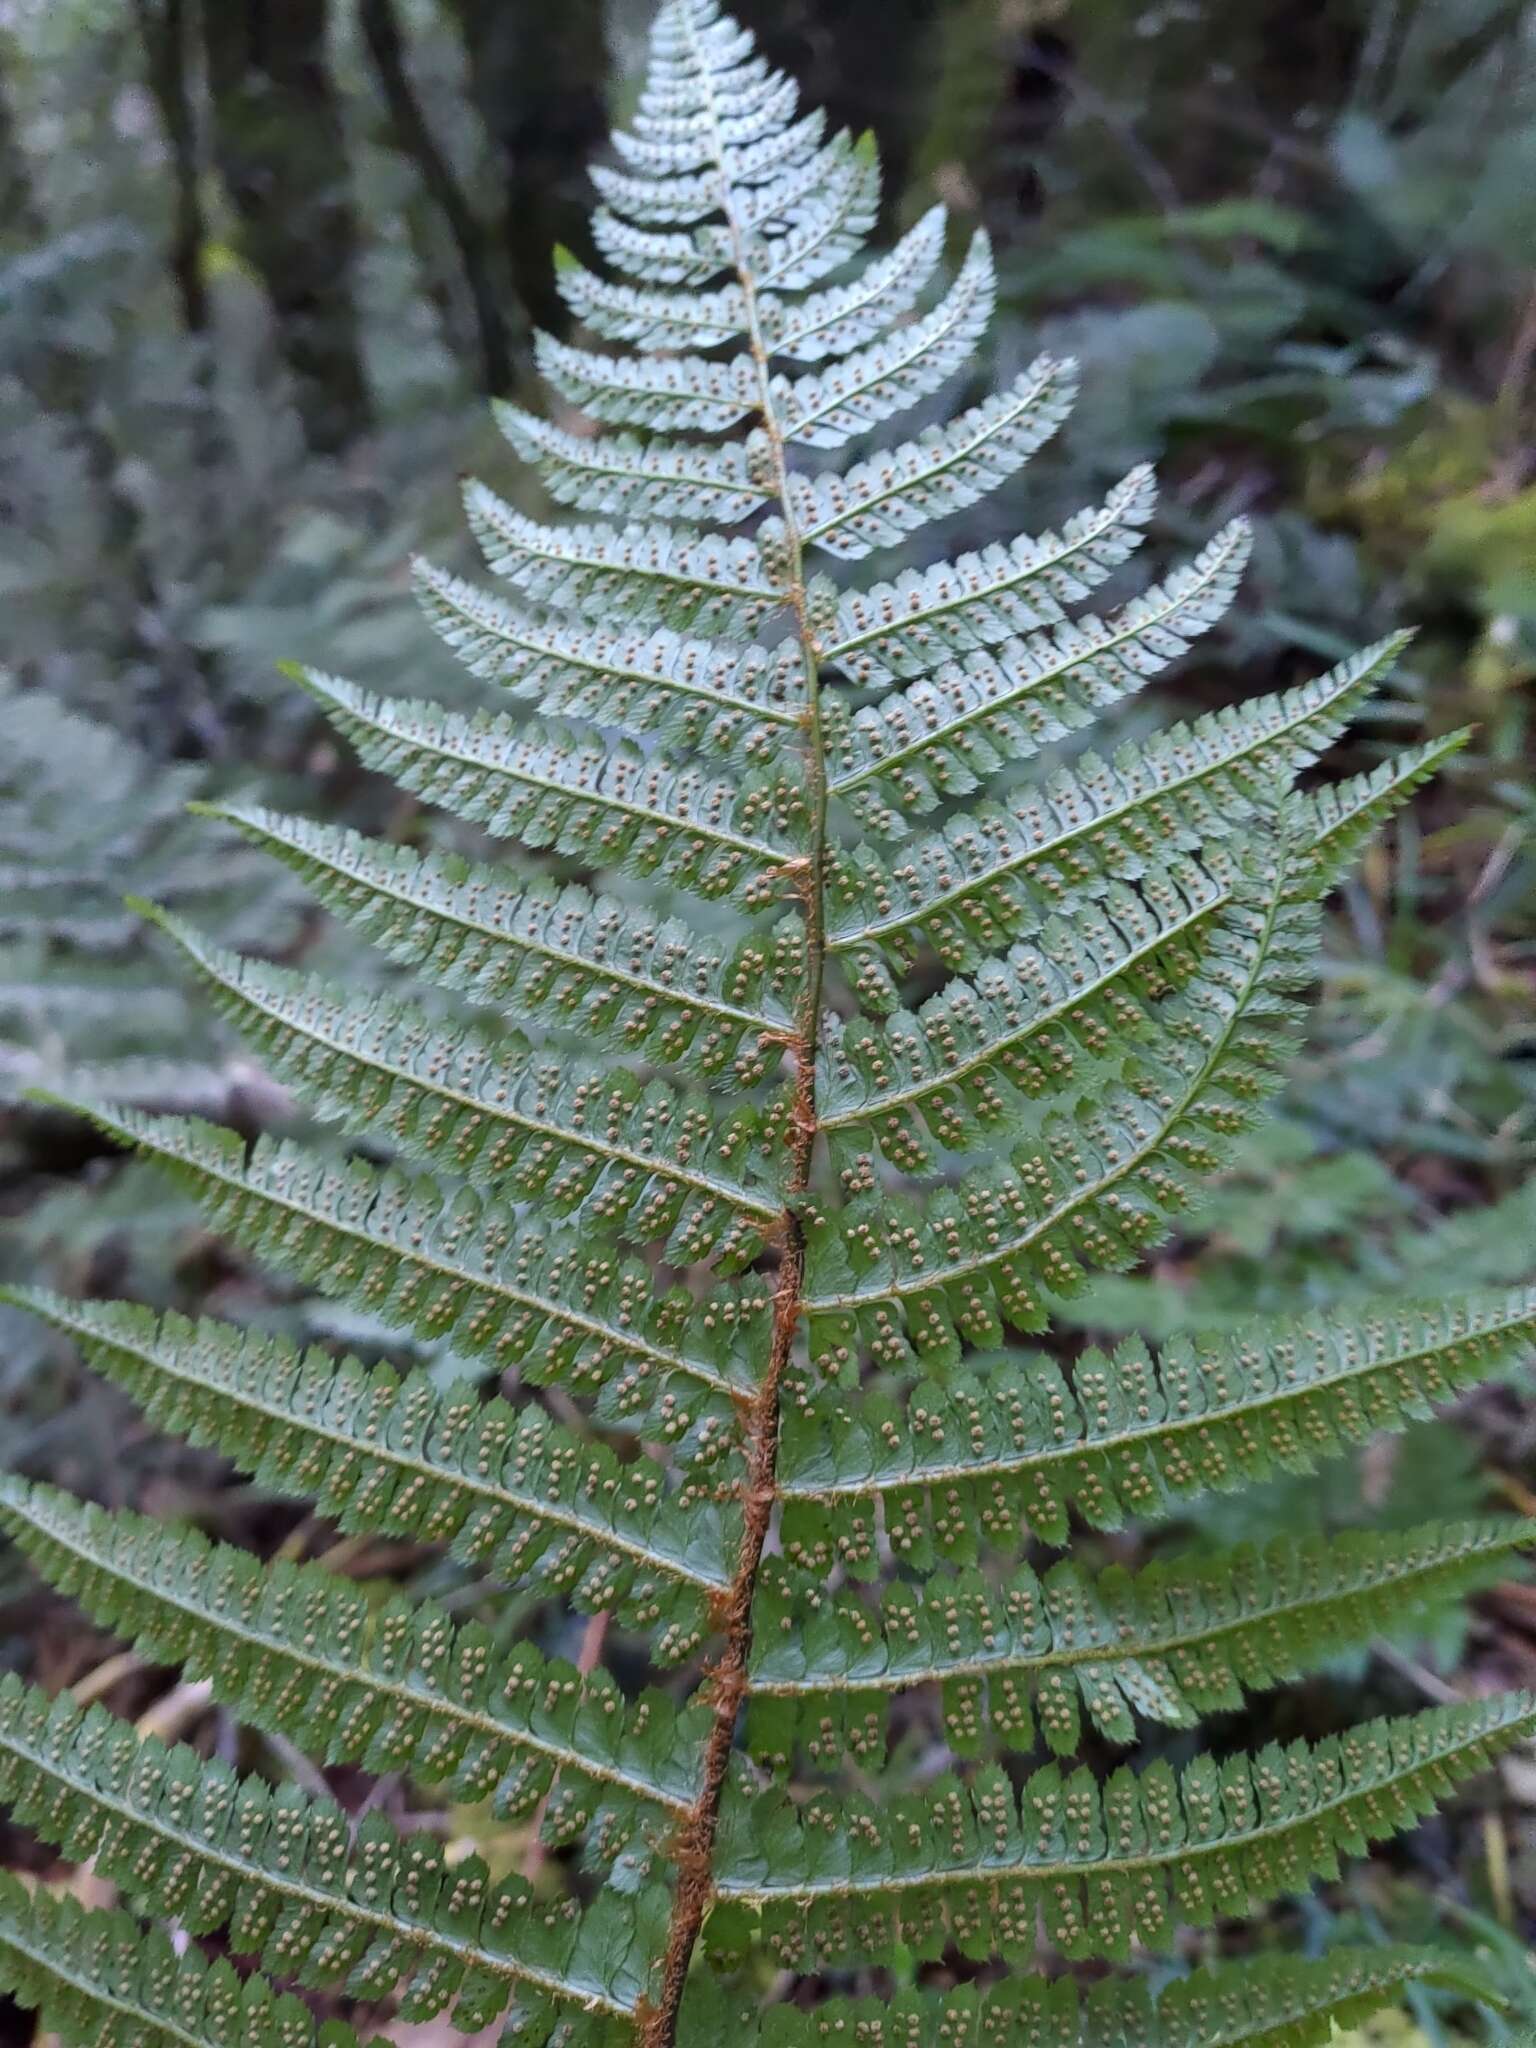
1495 1542
942 1276
375 1448
422 1933
233 1625
982 1873
1151 1432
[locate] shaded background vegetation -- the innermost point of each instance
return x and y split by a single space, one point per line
261 262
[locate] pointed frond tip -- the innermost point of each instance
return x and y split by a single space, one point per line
1180 1639
1268 2002
1134 1435
1106 1864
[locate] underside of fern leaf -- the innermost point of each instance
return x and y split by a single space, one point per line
849 1007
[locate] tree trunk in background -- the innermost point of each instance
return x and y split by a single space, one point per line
414 138
537 70
280 146
21 220
164 32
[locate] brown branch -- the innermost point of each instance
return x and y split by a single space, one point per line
165 40
386 46
727 1685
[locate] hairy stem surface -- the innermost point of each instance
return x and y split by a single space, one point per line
728 1681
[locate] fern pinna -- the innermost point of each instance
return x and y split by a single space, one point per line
748 1265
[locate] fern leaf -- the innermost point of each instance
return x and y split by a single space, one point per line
613 807
848 316
704 583
1088 1192
623 476
1344 815
1172 1643
1130 1434
644 682
978 1864
806 329
831 407
294 1886
656 315
627 1156
100 1980
884 497
943 738
970 1064
1000 870
508 1490
549 953
732 1225
693 393
391 1685
504 1288
896 632
1269 2002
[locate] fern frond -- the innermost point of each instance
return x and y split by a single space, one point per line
100 1980
1270 2002
645 682
1090 1191
848 316
979 1864
806 330
633 1157
829 408
391 1685
691 394
896 632
613 807
970 1064
509 1490
790 808
296 1886
884 497
943 738
503 1287
1130 1434
1344 815
1001 869
549 953
709 584
623 476
1171 1643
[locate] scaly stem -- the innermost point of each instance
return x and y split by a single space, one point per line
728 1682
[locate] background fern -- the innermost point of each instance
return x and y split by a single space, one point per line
1119 943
